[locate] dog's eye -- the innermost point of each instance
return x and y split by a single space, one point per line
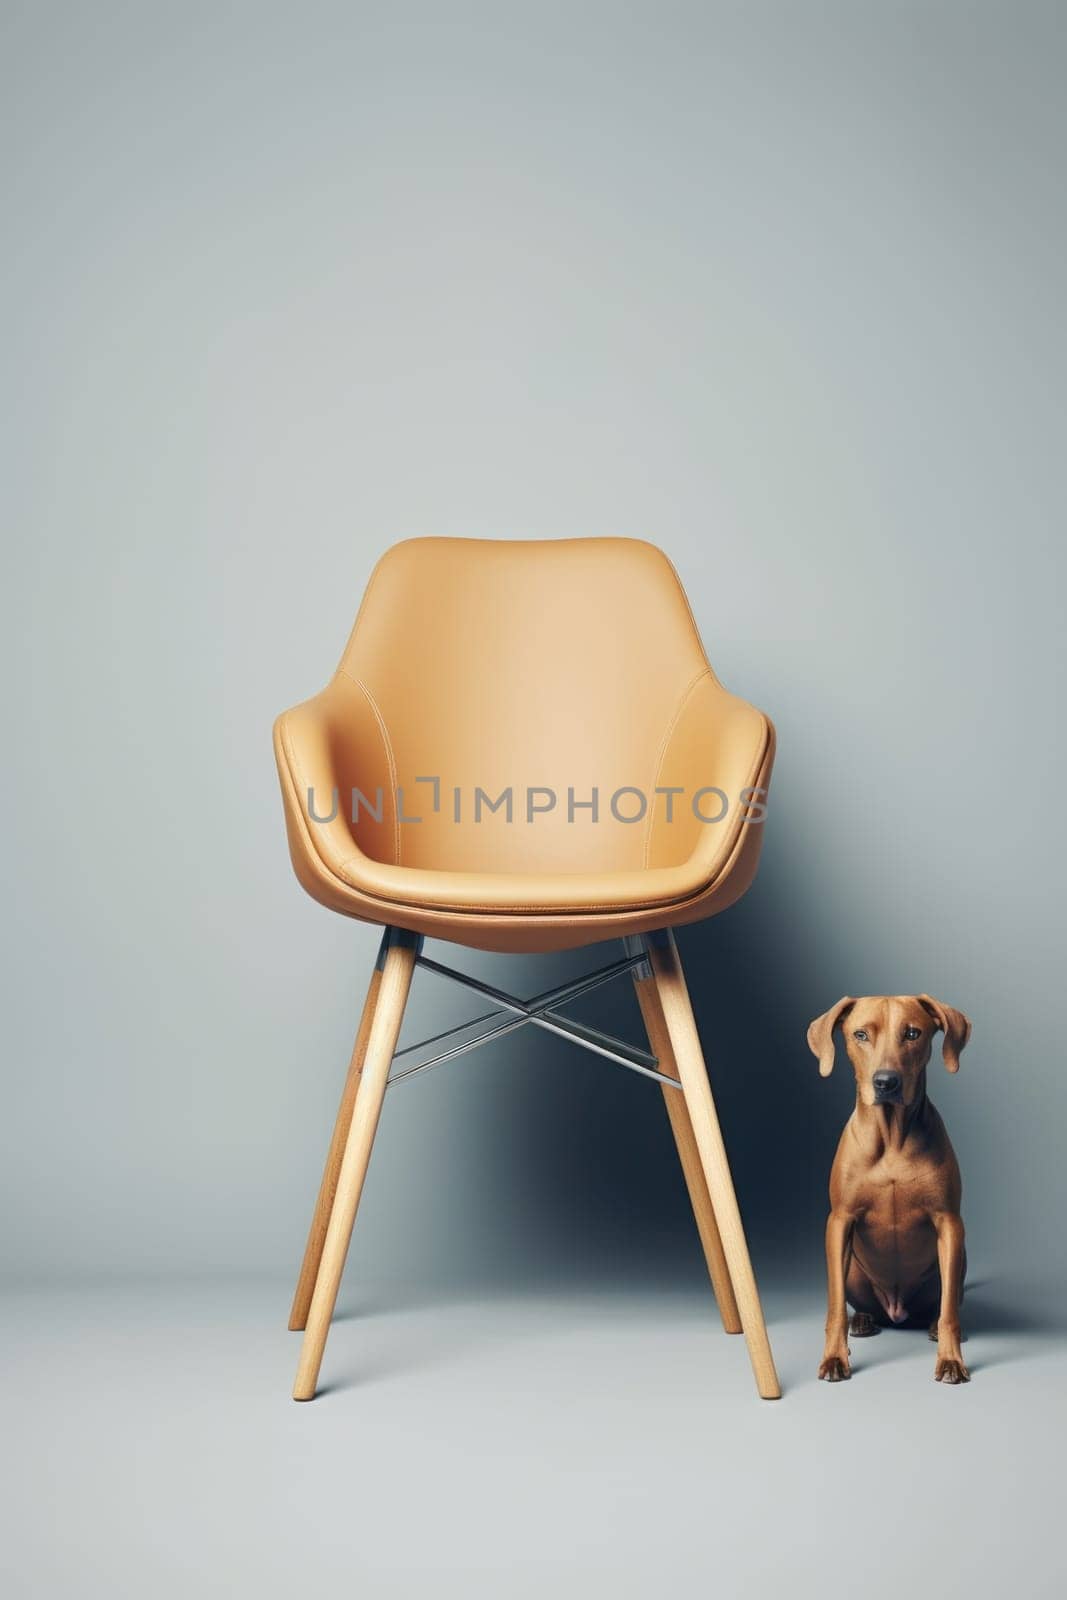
912 1033
860 1033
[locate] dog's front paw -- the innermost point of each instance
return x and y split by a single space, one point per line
835 1369
863 1326
949 1371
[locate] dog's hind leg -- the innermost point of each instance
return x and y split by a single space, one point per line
862 1325
868 1314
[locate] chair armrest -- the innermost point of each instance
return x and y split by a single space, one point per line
717 742
327 748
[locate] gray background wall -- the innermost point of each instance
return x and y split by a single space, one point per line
776 286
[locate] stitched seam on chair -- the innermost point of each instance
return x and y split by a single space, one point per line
389 756
692 619
484 908
296 773
705 672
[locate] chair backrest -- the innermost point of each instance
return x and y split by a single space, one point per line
552 666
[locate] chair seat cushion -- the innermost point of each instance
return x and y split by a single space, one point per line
522 893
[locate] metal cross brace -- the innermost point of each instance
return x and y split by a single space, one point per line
540 1011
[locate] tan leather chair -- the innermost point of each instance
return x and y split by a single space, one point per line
525 749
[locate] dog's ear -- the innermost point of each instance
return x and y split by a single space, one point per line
821 1034
954 1025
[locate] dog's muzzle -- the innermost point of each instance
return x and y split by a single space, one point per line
888 1088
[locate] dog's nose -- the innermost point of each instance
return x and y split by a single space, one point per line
886 1083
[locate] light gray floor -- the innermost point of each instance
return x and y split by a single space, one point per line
540 1443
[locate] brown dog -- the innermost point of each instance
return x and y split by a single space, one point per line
894 1237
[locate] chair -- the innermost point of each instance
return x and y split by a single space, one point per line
525 749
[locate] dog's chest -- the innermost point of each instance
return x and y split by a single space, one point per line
898 1193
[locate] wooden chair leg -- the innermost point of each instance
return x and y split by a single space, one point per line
685 1042
309 1269
397 969
689 1156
